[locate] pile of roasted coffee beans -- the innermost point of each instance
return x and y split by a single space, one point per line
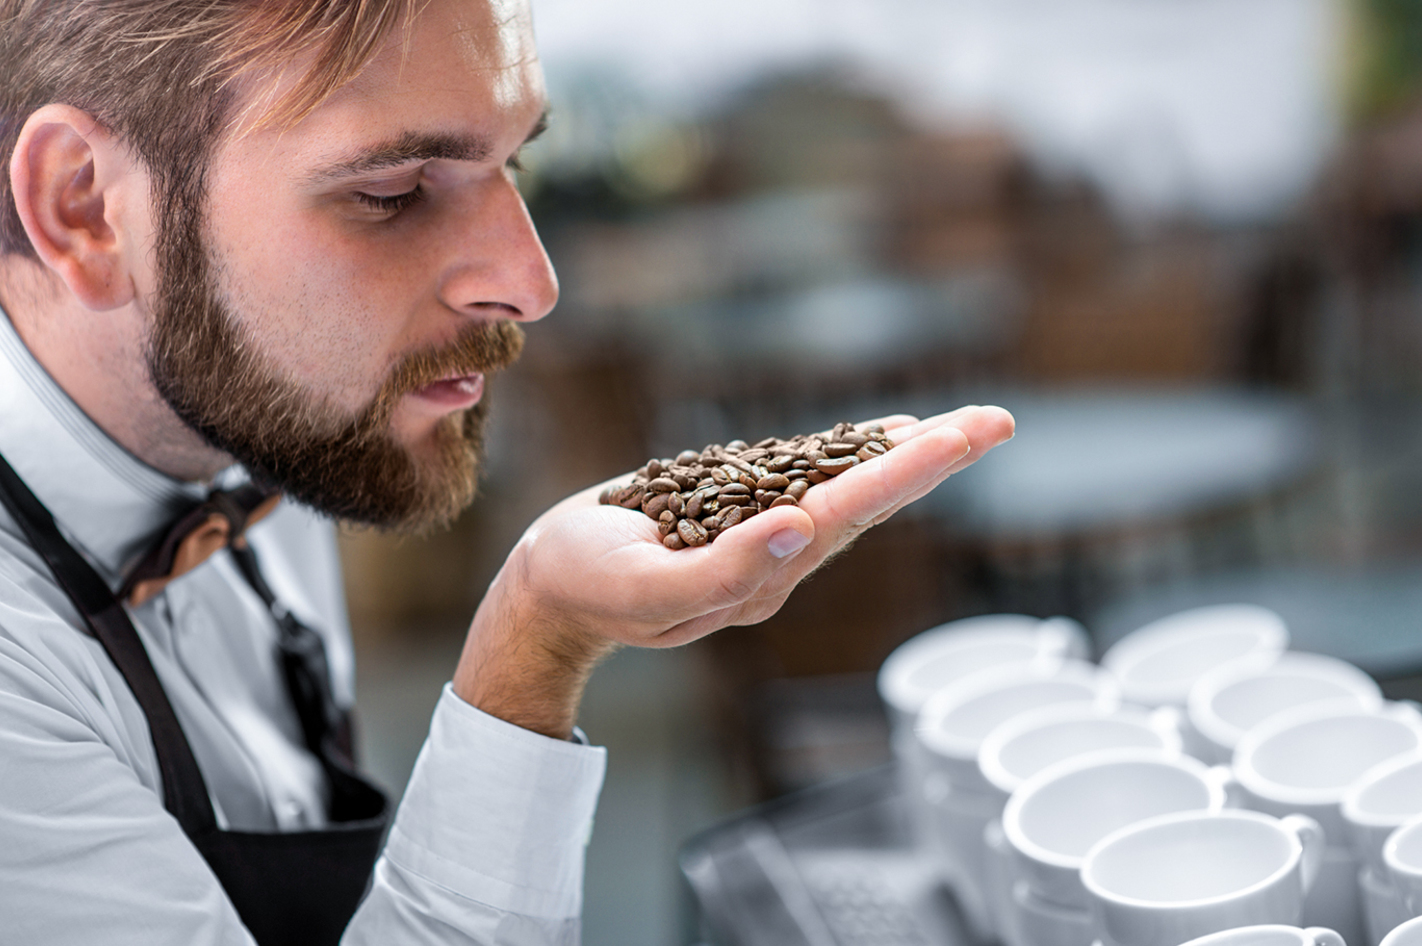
697 496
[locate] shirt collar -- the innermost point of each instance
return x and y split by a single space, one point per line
110 504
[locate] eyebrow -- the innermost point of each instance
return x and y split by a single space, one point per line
411 147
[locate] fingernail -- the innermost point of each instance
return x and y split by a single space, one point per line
786 542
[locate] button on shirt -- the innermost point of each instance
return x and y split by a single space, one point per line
487 845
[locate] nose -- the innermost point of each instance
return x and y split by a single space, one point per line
499 267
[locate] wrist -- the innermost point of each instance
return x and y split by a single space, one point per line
525 660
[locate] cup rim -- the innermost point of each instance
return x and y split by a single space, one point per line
1012 813
946 701
1264 787
1096 890
892 680
1210 939
1352 798
1389 851
1149 638
1200 706
1410 925
990 751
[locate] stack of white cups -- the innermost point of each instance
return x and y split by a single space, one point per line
1068 804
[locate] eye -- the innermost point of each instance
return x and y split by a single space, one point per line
393 203
515 163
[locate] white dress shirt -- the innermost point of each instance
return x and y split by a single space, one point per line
487 844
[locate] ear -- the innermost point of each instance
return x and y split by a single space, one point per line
74 182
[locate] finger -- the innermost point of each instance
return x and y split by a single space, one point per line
862 495
686 583
890 422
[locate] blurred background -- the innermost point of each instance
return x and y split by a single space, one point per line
1180 239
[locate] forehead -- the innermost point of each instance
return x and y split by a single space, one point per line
464 68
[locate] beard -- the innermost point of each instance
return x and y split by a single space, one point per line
215 377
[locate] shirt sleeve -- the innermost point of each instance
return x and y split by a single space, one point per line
488 844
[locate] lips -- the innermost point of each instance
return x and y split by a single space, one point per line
454 393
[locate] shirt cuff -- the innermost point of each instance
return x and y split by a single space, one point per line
497 813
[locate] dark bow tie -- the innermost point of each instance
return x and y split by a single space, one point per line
219 522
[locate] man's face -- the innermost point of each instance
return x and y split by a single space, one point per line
350 280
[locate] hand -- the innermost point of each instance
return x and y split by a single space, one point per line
587 578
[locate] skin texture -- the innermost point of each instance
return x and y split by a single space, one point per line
337 292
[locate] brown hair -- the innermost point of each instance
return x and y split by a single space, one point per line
163 74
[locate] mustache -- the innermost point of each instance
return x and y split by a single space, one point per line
479 348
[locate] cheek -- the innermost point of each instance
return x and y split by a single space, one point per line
323 307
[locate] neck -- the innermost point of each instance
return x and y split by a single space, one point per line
98 359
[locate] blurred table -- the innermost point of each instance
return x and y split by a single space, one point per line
1093 460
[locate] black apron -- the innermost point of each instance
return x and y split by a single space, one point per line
296 888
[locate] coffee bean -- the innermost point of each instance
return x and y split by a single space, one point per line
692 532
696 496
875 428
835 465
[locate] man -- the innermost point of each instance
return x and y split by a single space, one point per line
282 241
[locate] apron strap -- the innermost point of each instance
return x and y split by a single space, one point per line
184 791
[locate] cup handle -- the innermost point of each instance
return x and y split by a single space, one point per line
1407 711
1310 835
1169 721
1060 637
1223 776
1323 936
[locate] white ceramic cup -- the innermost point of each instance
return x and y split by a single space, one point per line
938 658
1173 878
1407 934
1305 760
951 729
1030 742
1057 815
1229 701
1036 922
1157 664
1402 854
1383 909
1384 799
1270 934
